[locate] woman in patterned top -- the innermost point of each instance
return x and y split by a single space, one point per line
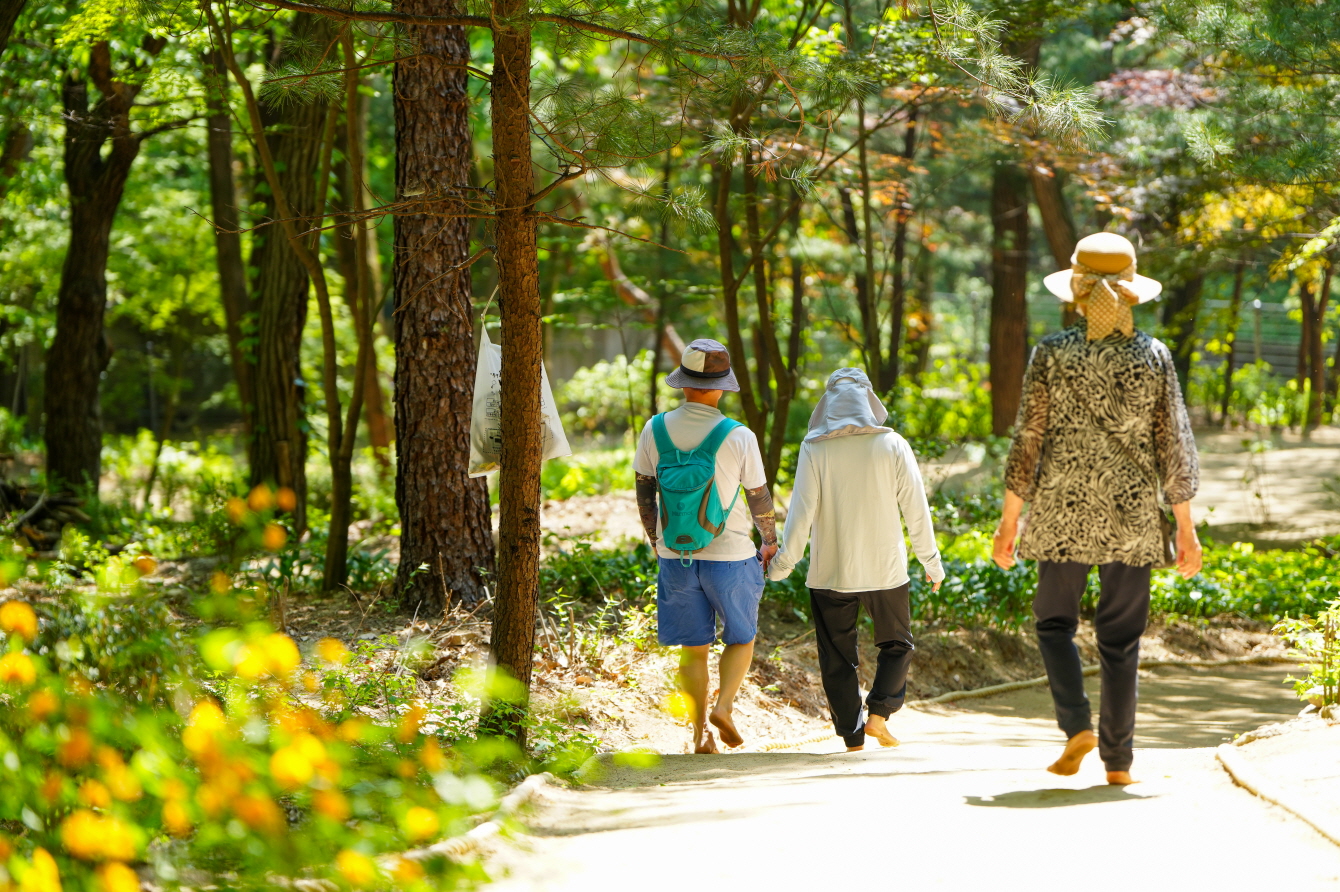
1101 428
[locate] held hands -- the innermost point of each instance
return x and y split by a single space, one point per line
765 555
1189 554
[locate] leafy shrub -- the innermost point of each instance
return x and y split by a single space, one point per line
588 474
1265 584
610 398
1319 640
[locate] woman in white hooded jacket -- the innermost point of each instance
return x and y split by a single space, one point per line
856 484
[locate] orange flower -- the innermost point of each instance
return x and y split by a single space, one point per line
76 751
116 877
94 794
17 668
294 765
43 875
409 723
175 818
273 537
286 499
407 871
236 509
258 812
93 837
18 617
432 756
52 785
332 804
260 498
42 704
357 869
420 823
145 564
332 650
123 783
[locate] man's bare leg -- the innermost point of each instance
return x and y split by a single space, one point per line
877 727
693 684
734 665
1076 749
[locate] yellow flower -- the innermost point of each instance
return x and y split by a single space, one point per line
432 756
116 877
679 706
409 723
353 730
204 727
17 668
273 537
357 869
220 582
260 498
123 783
420 823
332 804
332 650
407 871
258 813
43 875
18 617
176 819
281 654
236 509
94 794
296 764
93 837
286 499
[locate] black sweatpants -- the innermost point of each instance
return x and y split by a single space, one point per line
1123 611
835 616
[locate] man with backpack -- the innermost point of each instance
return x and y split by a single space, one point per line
694 461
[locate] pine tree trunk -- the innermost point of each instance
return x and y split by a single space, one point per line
445 521
79 350
1008 347
295 129
227 238
518 270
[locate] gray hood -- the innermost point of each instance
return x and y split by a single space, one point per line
849 406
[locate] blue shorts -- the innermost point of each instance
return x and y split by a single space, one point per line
689 600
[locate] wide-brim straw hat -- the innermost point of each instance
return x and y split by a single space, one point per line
704 366
1109 254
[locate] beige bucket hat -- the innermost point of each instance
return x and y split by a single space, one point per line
705 366
1103 281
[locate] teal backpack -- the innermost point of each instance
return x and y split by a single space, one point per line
691 515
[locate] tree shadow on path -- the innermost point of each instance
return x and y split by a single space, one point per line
1056 798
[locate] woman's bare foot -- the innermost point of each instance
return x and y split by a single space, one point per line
1076 749
729 735
876 727
706 746
1120 778
855 749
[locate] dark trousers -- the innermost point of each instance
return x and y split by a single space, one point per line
1123 611
835 616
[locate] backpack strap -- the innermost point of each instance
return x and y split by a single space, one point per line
712 442
663 442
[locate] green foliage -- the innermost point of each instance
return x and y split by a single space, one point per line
609 398
1319 642
588 474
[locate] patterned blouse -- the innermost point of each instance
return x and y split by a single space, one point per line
1090 502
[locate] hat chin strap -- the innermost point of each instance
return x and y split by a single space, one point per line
1105 299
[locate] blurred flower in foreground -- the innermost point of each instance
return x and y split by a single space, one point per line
332 650
17 668
286 499
678 706
116 877
357 869
42 875
97 837
274 537
18 617
237 510
421 824
260 498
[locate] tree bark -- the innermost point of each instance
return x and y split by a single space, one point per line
9 15
1314 309
1234 316
295 129
863 282
445 521
1180 308
96 180
892 366
513 646
1057 224
227 235
1008 348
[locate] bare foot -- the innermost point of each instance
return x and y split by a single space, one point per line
729 735
1076 749
1120 778
706 746
855 749
876 727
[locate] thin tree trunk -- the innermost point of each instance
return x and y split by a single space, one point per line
96 181
1008 347
9 14
513 646
798 320
445 521
227 235
863 282
730 298
1314 309
294 131
892 366
768 358
1180 308
870 297
1057 224
1234 317
18 146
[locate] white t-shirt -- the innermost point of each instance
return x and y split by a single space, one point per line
738 463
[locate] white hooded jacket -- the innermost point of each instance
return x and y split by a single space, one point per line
856 484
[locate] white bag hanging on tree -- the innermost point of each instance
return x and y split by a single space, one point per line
486 416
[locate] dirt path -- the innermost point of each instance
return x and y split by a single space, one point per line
963 804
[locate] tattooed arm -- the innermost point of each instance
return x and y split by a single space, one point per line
646 505
760 505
